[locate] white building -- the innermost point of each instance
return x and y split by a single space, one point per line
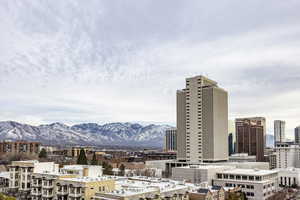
136 188
279 131
287 155
242 157
256 184
289 177
198 173
83 170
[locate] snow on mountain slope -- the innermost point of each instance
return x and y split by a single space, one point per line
125 134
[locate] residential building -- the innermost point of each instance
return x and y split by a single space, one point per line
4 182
198 173
44 185
279 131
171 140
211 193
8 148
20 175
256 184
287 155
83 187
75 151
297 135
251 136
202 121
230 144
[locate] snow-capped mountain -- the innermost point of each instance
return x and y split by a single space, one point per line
123 134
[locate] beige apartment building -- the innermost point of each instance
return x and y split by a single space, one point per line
21 172
83 187
202 121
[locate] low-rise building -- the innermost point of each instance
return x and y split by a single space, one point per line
83 170
211 193
20 175
289 177
137 188
8 148
242 157
198 173
83 187
43 185
256 184
4 182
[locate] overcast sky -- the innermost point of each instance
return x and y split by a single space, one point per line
106 61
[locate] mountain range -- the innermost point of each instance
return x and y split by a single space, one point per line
111 134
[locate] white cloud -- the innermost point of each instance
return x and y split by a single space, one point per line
76 62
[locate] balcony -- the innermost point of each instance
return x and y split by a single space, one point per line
62 192
36 192
47 194
36 184
75 193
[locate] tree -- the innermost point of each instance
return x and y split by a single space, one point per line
81 160
107 169
4 197
94 160
122 170
43 153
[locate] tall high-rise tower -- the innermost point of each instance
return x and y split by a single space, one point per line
171 140
251 136
279 131
202 121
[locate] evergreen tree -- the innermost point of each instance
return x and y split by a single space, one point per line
43 153
94 160
107 168
81 160
122 170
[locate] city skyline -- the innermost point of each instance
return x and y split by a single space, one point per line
101 68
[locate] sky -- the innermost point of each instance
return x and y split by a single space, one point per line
102 61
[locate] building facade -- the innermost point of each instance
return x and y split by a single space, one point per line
202 121
279 131
21 172
8 148
251 136
230 144
256 184
198 173
287 155
171 140
297 135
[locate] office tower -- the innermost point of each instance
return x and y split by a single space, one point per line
279 131
251 136
230 144
171 140
202 121
297 135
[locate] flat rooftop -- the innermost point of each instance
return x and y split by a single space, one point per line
86 179
250 172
